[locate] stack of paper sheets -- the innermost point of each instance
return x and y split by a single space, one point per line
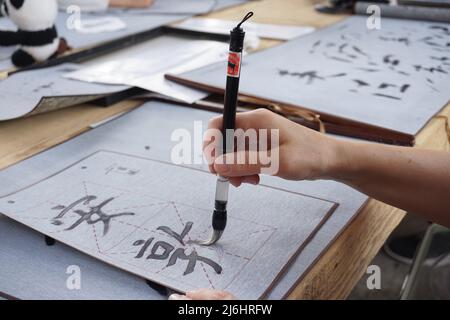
142 66
146 64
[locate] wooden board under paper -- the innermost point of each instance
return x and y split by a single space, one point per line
255 249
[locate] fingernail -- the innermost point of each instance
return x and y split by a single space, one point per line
175 297
236 184
250 181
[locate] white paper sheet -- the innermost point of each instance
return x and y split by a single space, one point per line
145 65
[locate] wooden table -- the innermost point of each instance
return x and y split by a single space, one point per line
340 268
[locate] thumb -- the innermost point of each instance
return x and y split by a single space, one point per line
208 294
238 164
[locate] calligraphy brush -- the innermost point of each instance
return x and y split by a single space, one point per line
219 219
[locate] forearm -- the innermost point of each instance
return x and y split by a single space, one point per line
408 178
411 179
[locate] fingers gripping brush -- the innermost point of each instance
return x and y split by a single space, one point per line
219 219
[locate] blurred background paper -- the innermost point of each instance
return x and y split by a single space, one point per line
263 30
99 25
68 28
145 65
43 90
377 84
84 5
182 7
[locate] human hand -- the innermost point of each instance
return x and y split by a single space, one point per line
203 294
303 154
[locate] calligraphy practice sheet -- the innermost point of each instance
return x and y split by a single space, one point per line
144 216
395 78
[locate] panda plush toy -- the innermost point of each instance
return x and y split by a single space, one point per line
36 35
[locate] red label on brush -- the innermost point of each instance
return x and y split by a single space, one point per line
234 64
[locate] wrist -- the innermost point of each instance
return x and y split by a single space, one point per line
344 161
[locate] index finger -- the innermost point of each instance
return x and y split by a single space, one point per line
259 118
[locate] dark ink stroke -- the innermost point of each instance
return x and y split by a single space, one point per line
178 237
404 88
389 59
386 85
163 250
167 249
338 75
444 29
92 216
309 75
337 58
342 47
438 69
369 69
145 244
359 51
403 40
361 83
314 46
386 96
440 58
192 258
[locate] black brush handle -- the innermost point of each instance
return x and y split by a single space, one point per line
237 36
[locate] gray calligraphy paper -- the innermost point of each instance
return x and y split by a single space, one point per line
395 78
143 216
